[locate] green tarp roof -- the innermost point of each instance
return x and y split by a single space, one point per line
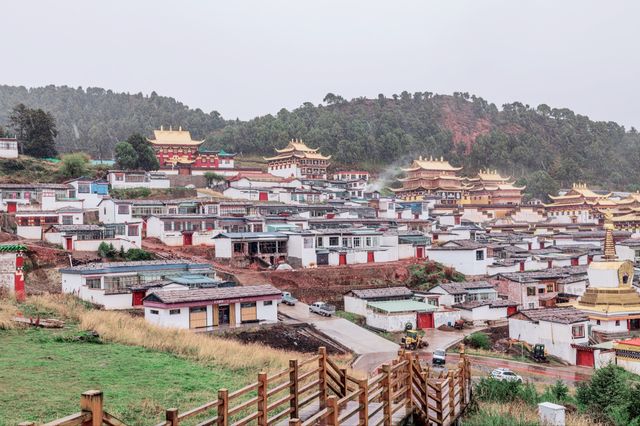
407 305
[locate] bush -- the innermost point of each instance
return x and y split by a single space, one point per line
608 396
138 254
479 340
74 165
106 250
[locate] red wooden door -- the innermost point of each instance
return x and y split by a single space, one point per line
511 310
137 298
420 252
263 196
187 239
342 259
425 320
584 358
11 207
69 243
370 257
216 162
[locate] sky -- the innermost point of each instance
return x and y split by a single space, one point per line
249 58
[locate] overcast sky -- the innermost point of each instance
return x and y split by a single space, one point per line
248 58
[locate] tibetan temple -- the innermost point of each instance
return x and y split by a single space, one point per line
178 153
431 177
298 160
490 188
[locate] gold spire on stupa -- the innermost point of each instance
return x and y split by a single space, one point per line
609 242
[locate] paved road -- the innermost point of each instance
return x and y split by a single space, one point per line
373 349
539 373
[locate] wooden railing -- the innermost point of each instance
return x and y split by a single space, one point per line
317 391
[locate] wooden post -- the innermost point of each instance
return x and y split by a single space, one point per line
363 401
425 381
91 401
439 405
332 405
452 389
463 384
409 394
387 394
262 399
343 385
295 422
223 407
322 377
293 388
171 416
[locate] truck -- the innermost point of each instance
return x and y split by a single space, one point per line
322 308
439 357
288 299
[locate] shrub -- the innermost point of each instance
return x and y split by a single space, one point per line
608 395
106 250
479 340
138 254
74 165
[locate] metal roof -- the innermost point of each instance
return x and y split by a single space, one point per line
106 267
397 306
206 294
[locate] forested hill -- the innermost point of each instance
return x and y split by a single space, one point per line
94 119
546 146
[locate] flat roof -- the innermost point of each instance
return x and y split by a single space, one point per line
105 267
407 305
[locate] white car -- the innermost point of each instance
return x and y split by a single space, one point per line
504 374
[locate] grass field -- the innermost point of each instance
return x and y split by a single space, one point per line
43 376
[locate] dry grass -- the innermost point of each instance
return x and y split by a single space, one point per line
120 327
8 310
529 413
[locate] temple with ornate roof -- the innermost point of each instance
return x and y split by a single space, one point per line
178 153
431 177
610 300
578 205
298 160
490 188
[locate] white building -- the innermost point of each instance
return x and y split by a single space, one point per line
469 291
183 230
111 284
16 197
124 179
8 148
210 308
31 224
559 329
90 191
466 256
480 311
89 237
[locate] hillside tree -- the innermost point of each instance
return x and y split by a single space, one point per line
36 131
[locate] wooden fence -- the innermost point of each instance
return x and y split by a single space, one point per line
317 391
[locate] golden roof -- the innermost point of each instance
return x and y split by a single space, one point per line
296 145
298 149
580 190
173 137
431 164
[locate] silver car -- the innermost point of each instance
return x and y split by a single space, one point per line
504 374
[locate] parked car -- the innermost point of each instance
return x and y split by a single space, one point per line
439 357
322 308
288 299
504 374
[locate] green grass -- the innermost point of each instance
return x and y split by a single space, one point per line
350 316
43 375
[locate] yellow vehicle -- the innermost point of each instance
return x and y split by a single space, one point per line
412 340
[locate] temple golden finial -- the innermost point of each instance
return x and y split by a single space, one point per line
609 242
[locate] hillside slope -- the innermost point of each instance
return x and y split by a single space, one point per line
518 140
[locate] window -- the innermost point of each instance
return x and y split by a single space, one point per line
541 290
597 322
532 305
123 209
577 331
174 311
319 242
458 298
248 311
268 302
67 220
549 288
154 312
308 243
84 188
356 241
334 241
479 255
133 230
93 282
617 323
531 291
368 241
